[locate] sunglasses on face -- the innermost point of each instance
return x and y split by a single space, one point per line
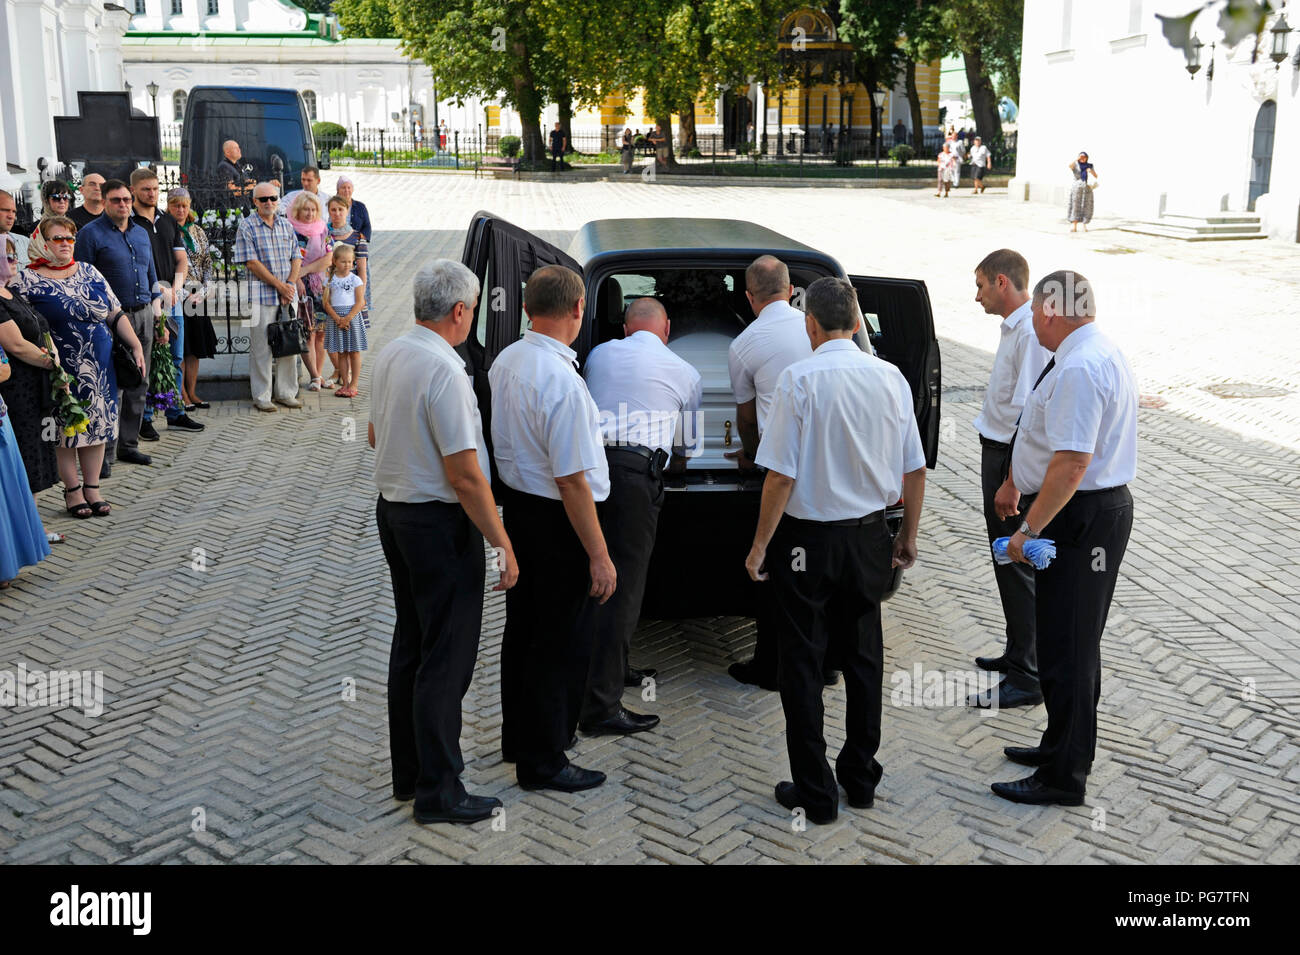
61 197
119 198
9 256
266 198
61 238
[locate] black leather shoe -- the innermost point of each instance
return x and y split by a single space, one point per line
748 674
635 675
1007 697
570 779
133 457
1030 790
620 722
788 796
1025 755
831 677
147 432
998 664
469 809
184 422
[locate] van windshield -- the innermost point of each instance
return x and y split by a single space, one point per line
264 131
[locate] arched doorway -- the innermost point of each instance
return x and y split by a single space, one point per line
1261 152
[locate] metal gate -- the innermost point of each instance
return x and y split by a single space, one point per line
1261 153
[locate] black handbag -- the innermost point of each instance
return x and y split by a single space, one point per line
287 335
129 374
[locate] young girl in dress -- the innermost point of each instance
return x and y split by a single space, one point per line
345 333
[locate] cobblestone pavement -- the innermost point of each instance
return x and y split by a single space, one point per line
238 593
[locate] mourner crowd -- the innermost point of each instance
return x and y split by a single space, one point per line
834 429
100 290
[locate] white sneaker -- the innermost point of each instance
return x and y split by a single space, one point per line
288 402
264 406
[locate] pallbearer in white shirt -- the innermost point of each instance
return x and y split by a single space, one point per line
547 444
644 393
841 445
770 344
1073 457
1002 288
435 507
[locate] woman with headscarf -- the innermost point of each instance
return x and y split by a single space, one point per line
314 242
56 198
200 336
1080 207
83 315
27 395
22 537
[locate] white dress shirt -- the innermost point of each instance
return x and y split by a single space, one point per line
544 423
644 393
1017 364
423 408
843 425
772 342
1087 402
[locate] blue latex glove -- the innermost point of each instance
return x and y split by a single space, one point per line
1038 552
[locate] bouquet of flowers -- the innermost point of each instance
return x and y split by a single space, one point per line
163 392
68 411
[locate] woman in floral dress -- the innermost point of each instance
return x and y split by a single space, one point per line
80 308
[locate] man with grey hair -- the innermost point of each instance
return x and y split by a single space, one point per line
841 445
435 507
644 392
1072 457
773 341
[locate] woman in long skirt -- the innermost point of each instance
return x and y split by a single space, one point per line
22 536
1080 208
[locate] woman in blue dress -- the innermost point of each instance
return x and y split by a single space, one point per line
22 537
80 308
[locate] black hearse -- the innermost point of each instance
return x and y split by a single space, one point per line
696 267
270 125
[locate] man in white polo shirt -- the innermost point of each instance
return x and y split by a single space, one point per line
771 343
841 445
435 507
551 458
1072 457
1002 287
644 392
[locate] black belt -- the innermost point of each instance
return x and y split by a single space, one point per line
996 445
658 457
875 517
1028 499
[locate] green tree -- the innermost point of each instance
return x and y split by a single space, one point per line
365 18
988 34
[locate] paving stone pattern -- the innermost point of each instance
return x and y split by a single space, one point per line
227 698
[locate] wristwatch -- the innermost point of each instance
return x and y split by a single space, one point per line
1027 531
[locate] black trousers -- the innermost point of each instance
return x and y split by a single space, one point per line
557 160
1074 593
546 646
1015 581
437 564
827 582
629 520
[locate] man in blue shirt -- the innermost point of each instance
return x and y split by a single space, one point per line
123 254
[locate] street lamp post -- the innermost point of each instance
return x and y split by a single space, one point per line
878 102
153 95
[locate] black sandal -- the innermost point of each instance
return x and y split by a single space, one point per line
98 508
82 510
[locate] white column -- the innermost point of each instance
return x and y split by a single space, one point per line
35 53
113 27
